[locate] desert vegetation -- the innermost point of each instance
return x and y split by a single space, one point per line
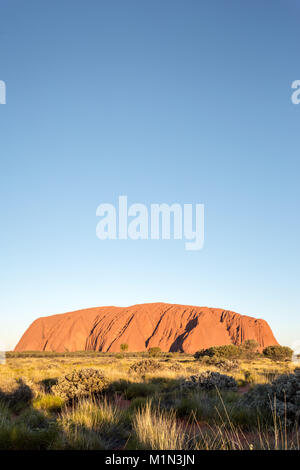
223 398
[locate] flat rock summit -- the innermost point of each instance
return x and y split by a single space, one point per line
171 327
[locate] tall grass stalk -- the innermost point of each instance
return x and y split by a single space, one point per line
158 430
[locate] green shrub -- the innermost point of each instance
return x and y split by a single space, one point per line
228 351
124 347
80 383
278 353
154 352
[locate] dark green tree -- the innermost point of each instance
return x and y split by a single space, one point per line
278 353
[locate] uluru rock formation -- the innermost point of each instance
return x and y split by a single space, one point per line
170 327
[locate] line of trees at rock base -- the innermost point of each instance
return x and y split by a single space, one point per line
247 350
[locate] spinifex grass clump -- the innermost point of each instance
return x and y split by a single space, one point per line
93 424
158 430
281 398
209 381
28 430
80 383
148 365
48 402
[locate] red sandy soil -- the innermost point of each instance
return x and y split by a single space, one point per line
169 327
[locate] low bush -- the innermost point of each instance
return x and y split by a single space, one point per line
142 367
281 398
209 381
154 352
225 365
80 383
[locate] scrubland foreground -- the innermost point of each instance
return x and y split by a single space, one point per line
128 401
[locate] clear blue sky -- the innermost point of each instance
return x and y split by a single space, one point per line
163 101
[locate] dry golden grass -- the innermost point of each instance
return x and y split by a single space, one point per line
158 430
142 423
37 370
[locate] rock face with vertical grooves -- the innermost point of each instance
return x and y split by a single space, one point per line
171 327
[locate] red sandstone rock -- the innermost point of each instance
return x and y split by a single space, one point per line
170 327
